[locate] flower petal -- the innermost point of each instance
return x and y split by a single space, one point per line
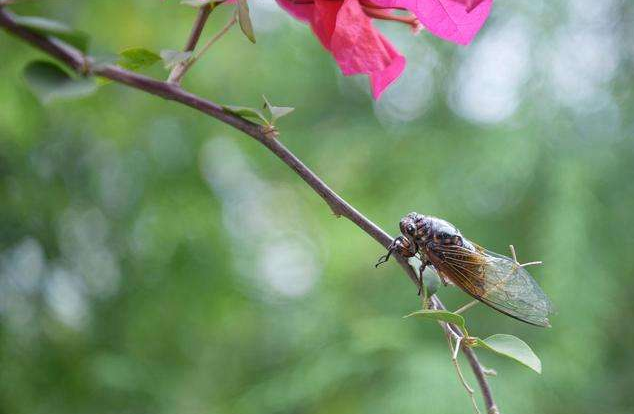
359 48
303 12
347 32
321 15
324 20
383 78
455 20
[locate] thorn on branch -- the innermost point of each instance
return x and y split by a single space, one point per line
270 131
490 372
336 210
494 410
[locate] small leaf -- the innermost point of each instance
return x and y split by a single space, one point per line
512 347
49 82
441 315
137 58
196 3
172 58
280 111
276 111
246 112
56 29
431 281
245 20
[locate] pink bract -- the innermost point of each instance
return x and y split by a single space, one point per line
346 30
455 20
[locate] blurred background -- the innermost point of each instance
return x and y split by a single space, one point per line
155 261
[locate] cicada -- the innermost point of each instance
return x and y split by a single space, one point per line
495 280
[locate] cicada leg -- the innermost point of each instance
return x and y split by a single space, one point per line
399 245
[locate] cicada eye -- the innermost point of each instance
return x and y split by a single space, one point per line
411 229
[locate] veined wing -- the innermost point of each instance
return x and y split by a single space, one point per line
493 279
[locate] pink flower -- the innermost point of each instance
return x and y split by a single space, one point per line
455 20
344 27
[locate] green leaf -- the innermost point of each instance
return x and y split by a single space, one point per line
50 82
441 315
172 58
196 3
246 112
47 27
512 347
137 58
245 20
431 281
276 111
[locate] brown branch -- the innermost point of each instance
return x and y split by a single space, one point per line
482 381
170 91
203 14
193 59
478 370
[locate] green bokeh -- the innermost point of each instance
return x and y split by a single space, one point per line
155 261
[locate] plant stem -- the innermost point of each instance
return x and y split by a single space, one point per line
190 62
467 306
170 91
456 364
201 19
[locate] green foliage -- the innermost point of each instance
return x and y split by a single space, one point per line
441 315
245 20
137 58
431 281
246 112
276 112
56 29
511 347
197 3
49 82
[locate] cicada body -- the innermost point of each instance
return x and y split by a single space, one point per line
496 280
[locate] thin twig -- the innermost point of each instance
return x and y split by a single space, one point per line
466 307
480 374
78 62
190 62
203 14
456 364
479 371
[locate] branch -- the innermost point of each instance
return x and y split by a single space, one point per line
203 14
84 65
478 370
190 62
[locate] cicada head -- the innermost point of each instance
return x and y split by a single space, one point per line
415 227
408 225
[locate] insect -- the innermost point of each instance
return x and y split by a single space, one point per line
495 280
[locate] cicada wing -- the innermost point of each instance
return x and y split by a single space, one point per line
495 280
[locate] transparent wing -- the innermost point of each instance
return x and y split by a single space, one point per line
495 280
